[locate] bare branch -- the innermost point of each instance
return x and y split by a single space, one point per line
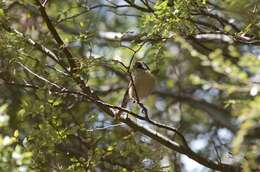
38 76
106 127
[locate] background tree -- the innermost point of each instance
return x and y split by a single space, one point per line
65 66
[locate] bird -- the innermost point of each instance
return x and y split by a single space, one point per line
141 85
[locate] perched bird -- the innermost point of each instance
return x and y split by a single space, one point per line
143 81
140 86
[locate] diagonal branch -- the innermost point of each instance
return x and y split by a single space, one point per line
108 109
157 136
72 63
218 114
221 116
38 76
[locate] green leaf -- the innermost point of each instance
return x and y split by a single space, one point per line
16 133
2 14
3 108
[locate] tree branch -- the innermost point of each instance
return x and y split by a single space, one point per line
109 109
221 116
132 4
153 134
72 63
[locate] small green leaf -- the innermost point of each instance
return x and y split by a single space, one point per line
57 102
3 108
21 112
81 24
2 14
16 133
110 148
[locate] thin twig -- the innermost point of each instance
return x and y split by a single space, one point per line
106 127
38 76
44 3
157 136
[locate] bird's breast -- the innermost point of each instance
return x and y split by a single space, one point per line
144 84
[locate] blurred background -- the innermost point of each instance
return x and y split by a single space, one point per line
204 55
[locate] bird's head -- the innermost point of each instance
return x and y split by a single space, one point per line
140 65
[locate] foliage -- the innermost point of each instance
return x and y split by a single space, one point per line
63 77
14 156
